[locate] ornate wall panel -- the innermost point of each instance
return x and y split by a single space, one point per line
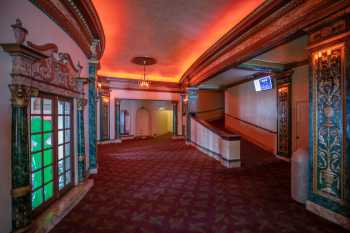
328 122
284 120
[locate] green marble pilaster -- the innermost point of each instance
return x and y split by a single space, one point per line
81 140
117 119
174 119
21 189
92 116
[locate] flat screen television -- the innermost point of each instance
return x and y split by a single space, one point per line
263 84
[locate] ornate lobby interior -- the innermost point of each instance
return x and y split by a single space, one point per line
175 116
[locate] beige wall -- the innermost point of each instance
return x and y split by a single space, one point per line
210 104
142 95
41 30
260 108
160 121
243 103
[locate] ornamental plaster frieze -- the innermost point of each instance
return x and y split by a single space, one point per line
42 66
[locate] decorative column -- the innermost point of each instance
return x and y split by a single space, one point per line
21 189
284 106
117 119
174 118
81 140
93 64
329 194
192 95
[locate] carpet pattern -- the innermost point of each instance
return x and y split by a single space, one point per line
164 186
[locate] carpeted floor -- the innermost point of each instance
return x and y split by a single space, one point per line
162 185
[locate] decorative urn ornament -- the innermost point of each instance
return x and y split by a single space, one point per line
19 31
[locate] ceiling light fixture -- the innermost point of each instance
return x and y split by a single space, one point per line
144 61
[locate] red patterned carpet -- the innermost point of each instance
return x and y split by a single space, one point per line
162 185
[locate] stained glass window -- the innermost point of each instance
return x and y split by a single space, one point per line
51 153
41 128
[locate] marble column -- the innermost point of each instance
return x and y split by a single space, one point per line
21 189
81 140
117 119
92 116
174 118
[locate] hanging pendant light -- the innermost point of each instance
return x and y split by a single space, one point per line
144 61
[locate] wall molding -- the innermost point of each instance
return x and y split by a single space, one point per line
270 25
78 19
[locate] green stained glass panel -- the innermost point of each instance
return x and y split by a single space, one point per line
47 140
36 161
36 142
48 174
35 124
48 191
37 198
47 157
36 179
47 123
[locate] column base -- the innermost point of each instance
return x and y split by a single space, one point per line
328 214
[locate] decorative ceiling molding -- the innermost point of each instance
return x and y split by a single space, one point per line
131 84
79 19
275 22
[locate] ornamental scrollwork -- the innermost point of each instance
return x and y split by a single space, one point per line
328 117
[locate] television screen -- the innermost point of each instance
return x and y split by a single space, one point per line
263 84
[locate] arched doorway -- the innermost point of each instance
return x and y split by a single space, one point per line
143 122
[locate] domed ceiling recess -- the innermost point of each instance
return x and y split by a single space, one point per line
176 33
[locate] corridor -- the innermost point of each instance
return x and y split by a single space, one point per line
163 185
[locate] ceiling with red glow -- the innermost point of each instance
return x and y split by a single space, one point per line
175 32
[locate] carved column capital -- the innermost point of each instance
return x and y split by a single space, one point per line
81 103
20 94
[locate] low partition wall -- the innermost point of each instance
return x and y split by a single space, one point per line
218 144
264 138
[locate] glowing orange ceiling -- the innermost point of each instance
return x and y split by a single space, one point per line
175 32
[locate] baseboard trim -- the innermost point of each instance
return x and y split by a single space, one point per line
328 214
52 216
178 137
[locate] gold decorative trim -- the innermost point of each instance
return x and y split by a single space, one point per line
20 192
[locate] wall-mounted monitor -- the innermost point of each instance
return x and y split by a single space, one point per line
263 84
